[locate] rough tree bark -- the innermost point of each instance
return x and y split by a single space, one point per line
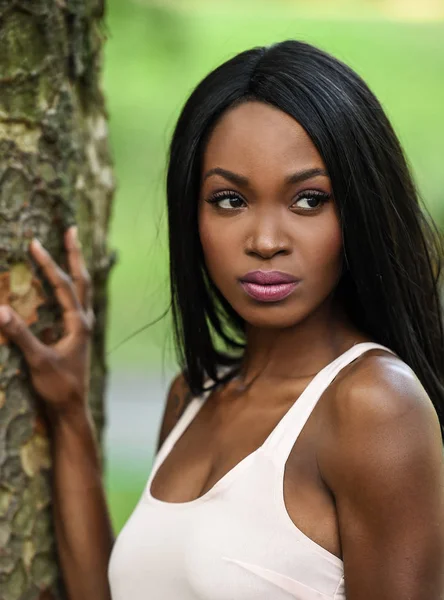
55 170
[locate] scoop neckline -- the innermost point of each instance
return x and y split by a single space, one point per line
230 475
221 484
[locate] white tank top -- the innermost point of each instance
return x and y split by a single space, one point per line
237 541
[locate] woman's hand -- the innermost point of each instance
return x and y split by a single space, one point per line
59 372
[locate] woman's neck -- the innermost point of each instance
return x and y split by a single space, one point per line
299 351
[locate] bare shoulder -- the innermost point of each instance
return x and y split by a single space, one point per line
178 398
380 454
378 408
377 389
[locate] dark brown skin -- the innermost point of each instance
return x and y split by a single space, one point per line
365 478
179 396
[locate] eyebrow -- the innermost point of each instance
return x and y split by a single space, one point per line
242 180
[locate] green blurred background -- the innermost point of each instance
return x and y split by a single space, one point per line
155 55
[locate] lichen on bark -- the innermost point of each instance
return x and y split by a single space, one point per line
55 170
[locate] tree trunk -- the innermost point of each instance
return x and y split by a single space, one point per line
55 170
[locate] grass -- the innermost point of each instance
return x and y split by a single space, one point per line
124 486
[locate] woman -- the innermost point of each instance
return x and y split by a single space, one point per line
300 453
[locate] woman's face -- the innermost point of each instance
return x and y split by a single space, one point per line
267 219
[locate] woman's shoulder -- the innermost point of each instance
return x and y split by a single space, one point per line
378 386
377 411
178 398
380 455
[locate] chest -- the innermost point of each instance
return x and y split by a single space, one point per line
235 544
217 444
225 431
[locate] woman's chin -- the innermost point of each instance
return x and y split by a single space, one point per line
270 317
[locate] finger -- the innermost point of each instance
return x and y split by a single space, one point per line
62 285
78 270
60 281
15 329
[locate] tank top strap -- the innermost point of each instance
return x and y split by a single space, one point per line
185 419
281 441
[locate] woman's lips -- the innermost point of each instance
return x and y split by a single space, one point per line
269 293
268 277
268 286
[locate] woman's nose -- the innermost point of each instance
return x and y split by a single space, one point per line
267 238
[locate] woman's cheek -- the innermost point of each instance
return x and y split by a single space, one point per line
213 241
320 256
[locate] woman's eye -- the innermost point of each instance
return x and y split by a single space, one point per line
227 201
311 201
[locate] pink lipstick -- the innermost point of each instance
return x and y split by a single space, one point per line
268 286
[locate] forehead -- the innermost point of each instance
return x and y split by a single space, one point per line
255 136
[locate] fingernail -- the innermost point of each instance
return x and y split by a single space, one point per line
75 234
5 315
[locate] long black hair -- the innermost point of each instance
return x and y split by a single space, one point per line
392 249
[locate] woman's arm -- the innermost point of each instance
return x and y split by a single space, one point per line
60 374
82 524
382 458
